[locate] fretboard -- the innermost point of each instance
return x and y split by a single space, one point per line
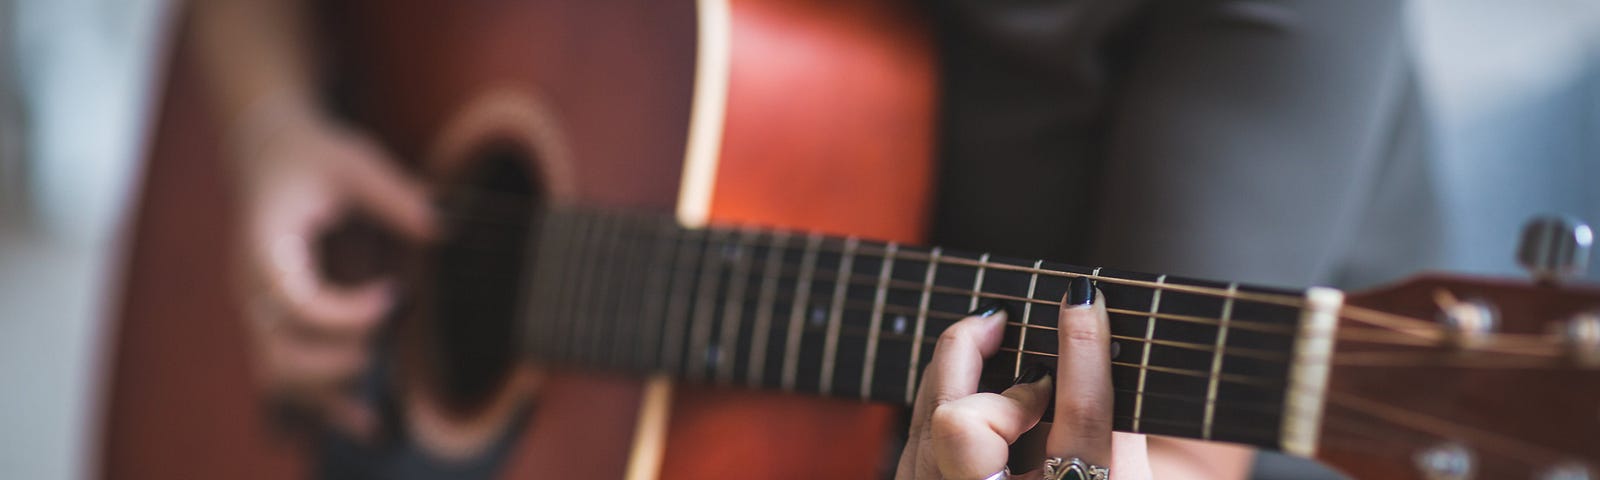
853 318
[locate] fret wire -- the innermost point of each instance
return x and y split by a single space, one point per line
953 316
841 285
570 292
550 318
1216 363
1235 324
678 305
1149 334
808 263
637 282
576 322
975 295
1263 354
535 284
982 262
704 304
862 306
597 255
1276 299
1265 382
977 282
922 317
605 325
868 367
588 322
654 305
543 283
922 323
769 292
612 295
1255 381
618 291
733 309
1027 311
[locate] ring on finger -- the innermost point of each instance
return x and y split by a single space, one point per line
1056 468
1003 474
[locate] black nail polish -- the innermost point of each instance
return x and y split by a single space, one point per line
1032 372
1080 291
988 308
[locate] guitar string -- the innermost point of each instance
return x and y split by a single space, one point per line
1440 428
1344 334
1139 366
880 251
1402 323
1194 373
1232 378
861 333
904 285
1355 433
1399 323
1396 323
861 306
1390 322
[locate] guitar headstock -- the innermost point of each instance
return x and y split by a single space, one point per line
1451 377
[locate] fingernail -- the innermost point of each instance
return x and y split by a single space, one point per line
1080 291
988 309
1032 372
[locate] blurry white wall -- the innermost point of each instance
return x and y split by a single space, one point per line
1515 88
79 74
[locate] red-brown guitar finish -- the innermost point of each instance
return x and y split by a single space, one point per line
829 127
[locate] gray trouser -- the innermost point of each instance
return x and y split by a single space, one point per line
1276 142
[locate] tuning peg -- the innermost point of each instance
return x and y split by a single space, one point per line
1446 461
1582 335
1567 471
1467 323
1555 248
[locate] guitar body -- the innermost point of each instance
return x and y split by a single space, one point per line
805 114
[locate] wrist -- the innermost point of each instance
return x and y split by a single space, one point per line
270 118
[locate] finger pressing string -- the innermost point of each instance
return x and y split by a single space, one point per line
1083 397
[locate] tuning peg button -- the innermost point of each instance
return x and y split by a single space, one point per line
1568 471
1446 461
1555 248
1582 334
1468 323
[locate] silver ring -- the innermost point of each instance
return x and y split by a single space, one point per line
1003 474
1056 468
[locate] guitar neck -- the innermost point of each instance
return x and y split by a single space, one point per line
852 318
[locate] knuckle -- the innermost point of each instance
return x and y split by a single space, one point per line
955 419
1083 336
952 336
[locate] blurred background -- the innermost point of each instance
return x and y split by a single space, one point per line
1513 89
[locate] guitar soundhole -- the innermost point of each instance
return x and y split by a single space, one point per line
477 271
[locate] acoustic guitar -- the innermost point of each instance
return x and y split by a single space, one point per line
732 194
